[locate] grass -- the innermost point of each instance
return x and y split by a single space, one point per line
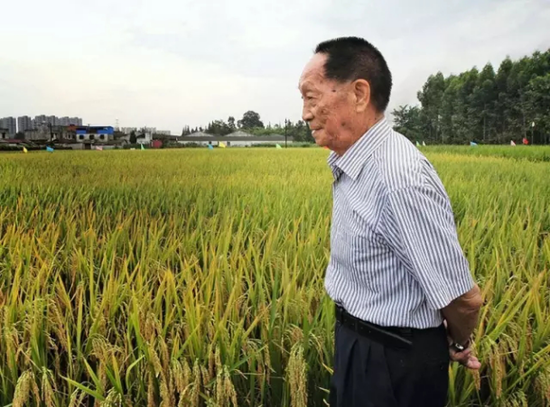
195 278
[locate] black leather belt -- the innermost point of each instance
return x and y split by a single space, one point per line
390 336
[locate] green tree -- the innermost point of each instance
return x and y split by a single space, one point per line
185 131
231 123
133 137
484 100
449 112
483 106
250 120
218 128
537 96
407 121
430 97
503 102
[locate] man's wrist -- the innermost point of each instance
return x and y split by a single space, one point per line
461 347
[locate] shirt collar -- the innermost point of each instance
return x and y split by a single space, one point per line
353 159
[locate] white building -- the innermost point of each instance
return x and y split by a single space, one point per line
236 139
128 130
144 139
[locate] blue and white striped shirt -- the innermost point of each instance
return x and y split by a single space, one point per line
395 256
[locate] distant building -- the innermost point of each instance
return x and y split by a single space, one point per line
40 133
198 134
144 138
45 132
128 130
38 120
57 121
236 139
164 132
4 133
148 130
24 123
93 134
9 123
239 133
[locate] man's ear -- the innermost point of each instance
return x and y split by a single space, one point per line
361 89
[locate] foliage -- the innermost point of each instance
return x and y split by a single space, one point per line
250 120
489 107
219 128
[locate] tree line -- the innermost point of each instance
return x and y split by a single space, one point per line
483 106
251 123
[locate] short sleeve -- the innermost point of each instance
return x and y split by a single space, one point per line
419 225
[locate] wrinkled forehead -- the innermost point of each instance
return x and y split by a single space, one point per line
313 74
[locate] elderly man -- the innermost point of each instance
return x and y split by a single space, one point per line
406 303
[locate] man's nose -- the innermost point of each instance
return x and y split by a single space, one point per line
307 116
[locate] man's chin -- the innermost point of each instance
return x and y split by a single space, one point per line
321 143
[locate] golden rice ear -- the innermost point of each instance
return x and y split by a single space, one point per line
297 376
26 386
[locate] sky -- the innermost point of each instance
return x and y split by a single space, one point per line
170 63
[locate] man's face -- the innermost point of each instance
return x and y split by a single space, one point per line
327 104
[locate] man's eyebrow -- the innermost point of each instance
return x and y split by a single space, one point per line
307 87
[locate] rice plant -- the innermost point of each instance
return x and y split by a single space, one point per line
195 278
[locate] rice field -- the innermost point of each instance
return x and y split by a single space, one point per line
195 278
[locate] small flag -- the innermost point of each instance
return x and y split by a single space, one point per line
143 148
210 147
49 149
525 141
222 144
99 148
424 144
417 144
25 150
532 124
473 144
512 143
278 146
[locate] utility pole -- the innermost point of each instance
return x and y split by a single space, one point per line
286 127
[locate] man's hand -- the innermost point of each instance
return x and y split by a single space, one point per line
465 358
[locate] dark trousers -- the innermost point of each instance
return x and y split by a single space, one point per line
372 374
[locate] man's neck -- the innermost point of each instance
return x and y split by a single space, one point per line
369 124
